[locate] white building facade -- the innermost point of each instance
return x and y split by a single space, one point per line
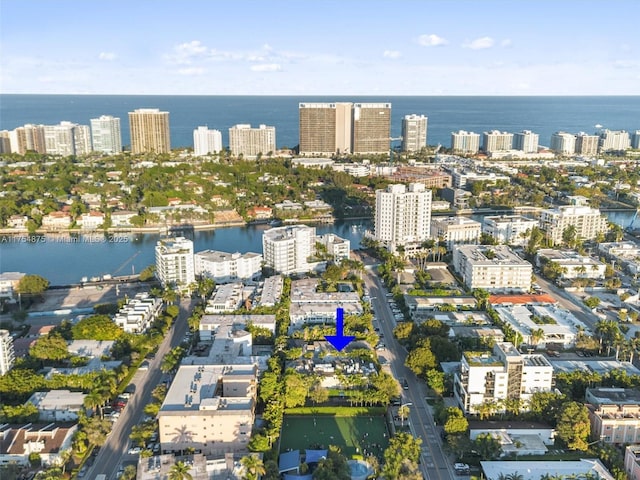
563 143
206 141
228 267
106 134
249 142
7 353
288 249
509 229
455 230
588 222
465 142
494 268
496 141
526 141
403 216
174 262
67 138
414 133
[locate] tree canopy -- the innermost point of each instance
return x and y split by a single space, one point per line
96 327
32 285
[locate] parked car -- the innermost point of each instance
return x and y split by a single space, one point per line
134 451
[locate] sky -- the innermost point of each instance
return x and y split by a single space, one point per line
312 47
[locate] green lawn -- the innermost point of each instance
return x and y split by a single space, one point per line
364 435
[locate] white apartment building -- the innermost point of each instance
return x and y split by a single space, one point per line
505 374
288 249
563 143
106 134
614 140
526 141
7 354
496 141
414 133
509 229
209 408
227 298
493 268
249 142
455 230
8 283
574 264
462 178
588 222
402 216
338 248
587 144
465 142
228 267
174 262
27 138
206 141
139 313
67 138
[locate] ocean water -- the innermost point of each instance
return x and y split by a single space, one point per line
542 115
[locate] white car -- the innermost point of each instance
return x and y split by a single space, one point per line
134 451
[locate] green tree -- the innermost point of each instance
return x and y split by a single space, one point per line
318 394
96 327
592 302
402 446
334 467
50 347
455 423
32 285
253 466
420 360
129 473
180 471
573 426
487 446
296 389
436 380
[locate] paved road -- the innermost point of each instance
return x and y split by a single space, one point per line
434 462
569 302
114 452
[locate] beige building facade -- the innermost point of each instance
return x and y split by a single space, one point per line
149 131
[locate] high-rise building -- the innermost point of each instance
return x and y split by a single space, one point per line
526 141
635 140
287 249
175 263
563 143
5 142
614 140
149 131
7 354
67 138
371 127
403 216
586 144
106 134
28 137
589 222
496 141
414 133
325 128
465 142
206 141
249 142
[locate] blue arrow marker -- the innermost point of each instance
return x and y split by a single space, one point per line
339 340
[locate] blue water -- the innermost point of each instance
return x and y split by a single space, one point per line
543 115
63 261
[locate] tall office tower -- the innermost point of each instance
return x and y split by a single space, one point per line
175 263
371 127
287 249
67 138
7 354
414 133
403 216
325 128
563 143
149 131
614 140
5 142
635 141
465 142
526 141
496 141
206 141
249 142
587 144
28 137
106 134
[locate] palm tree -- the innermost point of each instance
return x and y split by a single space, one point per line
536 336
254 467
180 471
94 399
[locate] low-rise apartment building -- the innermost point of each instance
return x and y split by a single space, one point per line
632 461
455 230
587 221
505 374
9 283
228 267
137 315
492 268
573 264
58 405
226 298
614 414
48 440
337 248
509 229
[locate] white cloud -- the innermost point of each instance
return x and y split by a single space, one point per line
267 67
107 56
480 43
625 64
185 53
391 54
506 42
431 40
191 71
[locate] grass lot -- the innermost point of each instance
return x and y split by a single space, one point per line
362 435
